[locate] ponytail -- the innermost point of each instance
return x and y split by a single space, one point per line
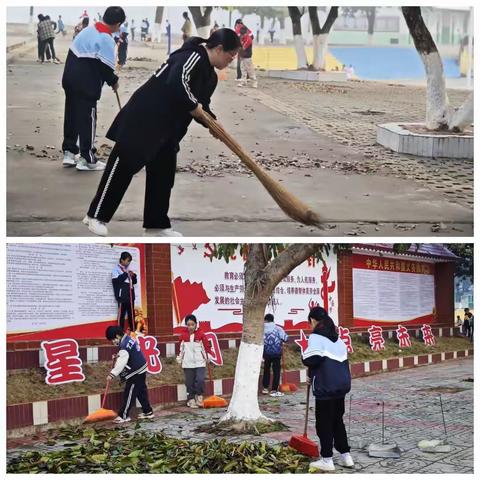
225 37
195 41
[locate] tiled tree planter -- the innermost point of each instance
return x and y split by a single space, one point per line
308 75
26 418
397 137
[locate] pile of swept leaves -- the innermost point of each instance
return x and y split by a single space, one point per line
230 428
115 451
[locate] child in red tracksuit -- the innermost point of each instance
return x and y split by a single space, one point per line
247 67
194 355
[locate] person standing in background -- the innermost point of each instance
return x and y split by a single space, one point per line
132 29
123 281
186 27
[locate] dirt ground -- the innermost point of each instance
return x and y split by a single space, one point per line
318 139
27 386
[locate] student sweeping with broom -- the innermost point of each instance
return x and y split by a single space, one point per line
130 366
149 128
193 357
329 375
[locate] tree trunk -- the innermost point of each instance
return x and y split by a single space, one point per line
371 14
320 35
261 34
244 403
438 111
261 278
157 26
296 17
201 20
282 39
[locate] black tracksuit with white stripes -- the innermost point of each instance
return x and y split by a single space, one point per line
148 130
84 75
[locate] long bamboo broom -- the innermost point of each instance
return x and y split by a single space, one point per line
291 205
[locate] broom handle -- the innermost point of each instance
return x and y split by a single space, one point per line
306 412
118 100
106 393
107 387
232 144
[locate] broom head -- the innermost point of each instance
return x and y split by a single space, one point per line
214 402
288 387
304 445
100 415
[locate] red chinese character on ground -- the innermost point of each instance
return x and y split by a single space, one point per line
216 358
377 342
62 362
148 345
403 337
428 337
344 334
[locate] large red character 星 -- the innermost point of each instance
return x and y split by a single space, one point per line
62 361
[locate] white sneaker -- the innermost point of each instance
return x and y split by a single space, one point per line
199 400
277 394
142 415
69 159
265 391
57 61
346 460
122 420
323 464
97 227
161 232
192 404
83 165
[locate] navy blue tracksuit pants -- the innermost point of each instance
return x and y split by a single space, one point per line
135 388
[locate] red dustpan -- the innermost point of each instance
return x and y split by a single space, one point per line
302 443
285 386
101 414
213 401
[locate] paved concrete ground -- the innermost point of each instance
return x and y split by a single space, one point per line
355 191
412 414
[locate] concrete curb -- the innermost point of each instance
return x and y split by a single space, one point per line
20 49
28 418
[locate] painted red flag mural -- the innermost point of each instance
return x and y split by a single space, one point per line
377 342
148 345
344 334
62 362
187 297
